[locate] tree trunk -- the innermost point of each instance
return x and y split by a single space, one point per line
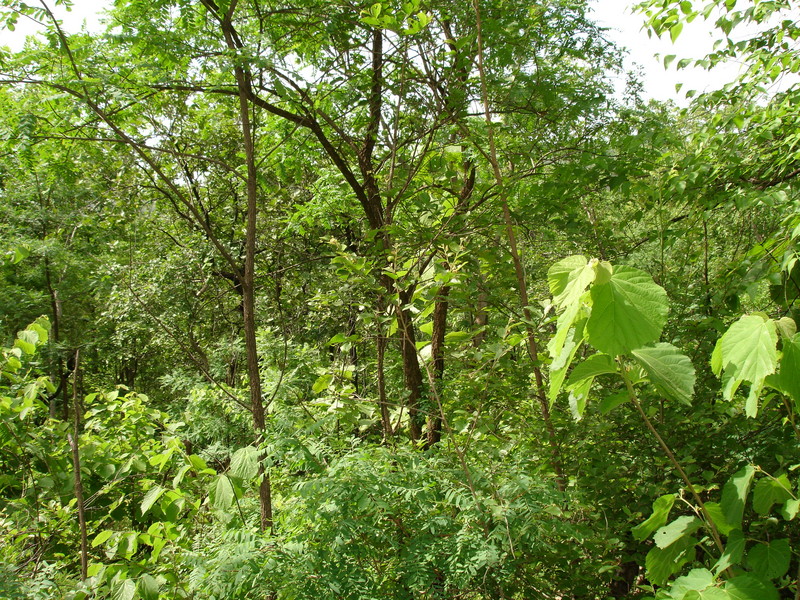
437 356
248 276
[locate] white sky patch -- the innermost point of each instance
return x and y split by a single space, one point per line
645 54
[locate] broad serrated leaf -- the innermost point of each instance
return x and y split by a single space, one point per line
597 364
662 563
244 463
770 560
696 579
734 495
147 586
734 551
710 593
746 352
769 491
657 519
560 365
628 312
749 587
680 528
611 402
568 279
788 377
123 590
222 494
150 498
718 517
670 371
564 329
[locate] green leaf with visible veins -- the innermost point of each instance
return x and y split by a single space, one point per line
628 312
244 463
670 371
769 491
568 279
661 508
679 528
746 352
696 579
788 378
748 587
597 364
734 494
770 560
661 563
710 593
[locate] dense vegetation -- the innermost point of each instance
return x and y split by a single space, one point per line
387 300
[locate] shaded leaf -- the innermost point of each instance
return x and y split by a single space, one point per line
770 560
221 493
748 587
670 371
734 494
769 491
662 563
597 364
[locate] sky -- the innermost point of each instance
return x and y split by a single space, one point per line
624 28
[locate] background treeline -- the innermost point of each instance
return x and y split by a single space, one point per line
295 305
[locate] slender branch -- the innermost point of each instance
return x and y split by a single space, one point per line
533 351
671 457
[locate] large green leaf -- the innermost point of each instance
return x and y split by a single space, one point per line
770 560
696 579
597 364
748 587
734 495
568 279
222 494
150 498
670 371
661 508
244 463
746 352
662 563
561 363
564 329
717 515
147 587
769 491
628 312
710 593
679 528
788 377
734 551
123 590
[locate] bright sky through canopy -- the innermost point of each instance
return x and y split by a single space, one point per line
624 28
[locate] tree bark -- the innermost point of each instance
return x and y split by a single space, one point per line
248 274
434 429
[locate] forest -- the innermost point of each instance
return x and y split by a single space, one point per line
397 299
